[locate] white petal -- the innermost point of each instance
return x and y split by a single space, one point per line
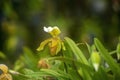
49 29
45 29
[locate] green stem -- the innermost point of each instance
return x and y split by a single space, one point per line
17 73
65 65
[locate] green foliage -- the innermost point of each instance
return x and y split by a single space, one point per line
108 58
69 64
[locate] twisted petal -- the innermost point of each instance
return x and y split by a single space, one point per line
42 45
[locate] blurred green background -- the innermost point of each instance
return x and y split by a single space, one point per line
22 22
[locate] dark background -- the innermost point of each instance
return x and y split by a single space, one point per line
22 22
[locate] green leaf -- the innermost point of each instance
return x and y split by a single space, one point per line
74 66
89 48
18 64
29 59
59 74
105 54
100 75
118 51
78 53
69 60
79 57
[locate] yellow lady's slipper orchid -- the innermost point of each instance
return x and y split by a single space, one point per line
55 43
4 75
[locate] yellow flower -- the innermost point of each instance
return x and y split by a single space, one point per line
55 31
3 68
55 43
4 75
